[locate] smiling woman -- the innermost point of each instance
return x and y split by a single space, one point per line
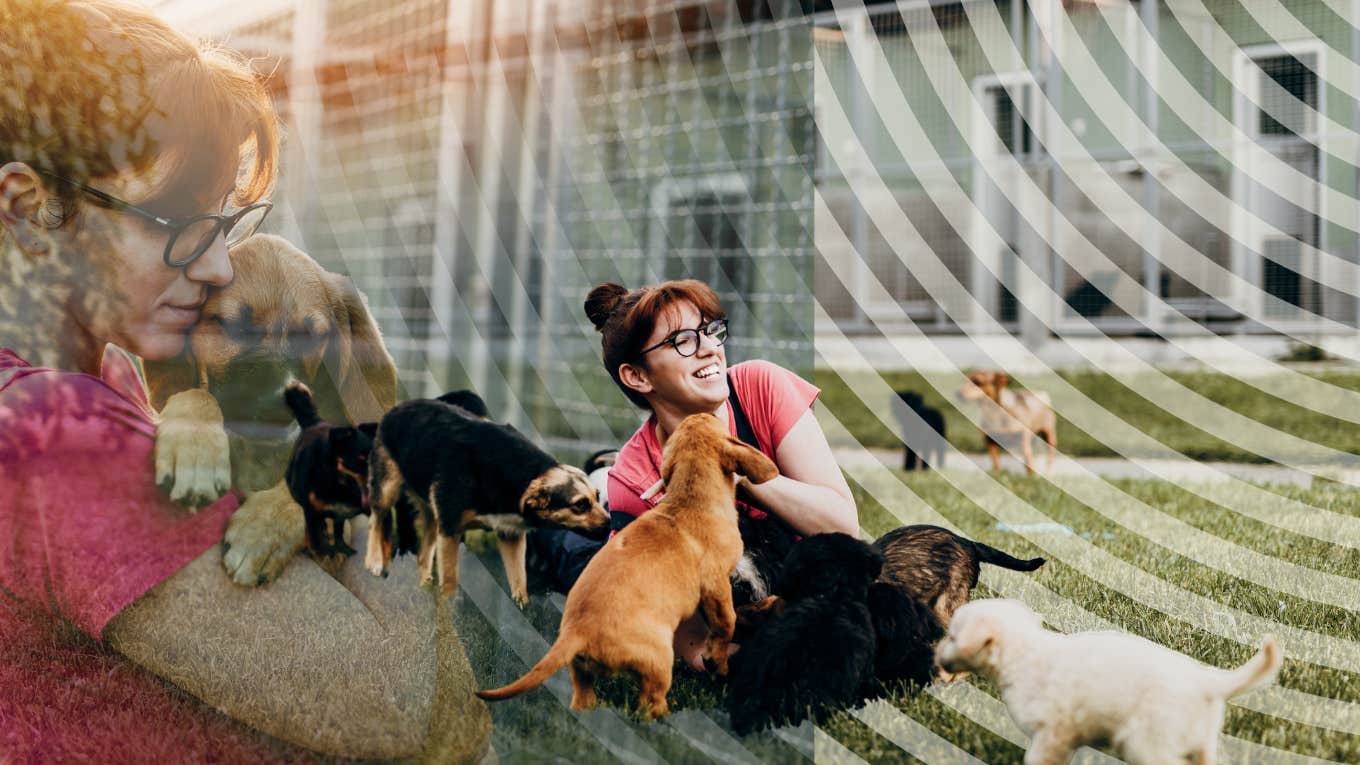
131 159
664 347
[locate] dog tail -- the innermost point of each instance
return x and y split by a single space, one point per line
1259 670
989 554
557 657
299 399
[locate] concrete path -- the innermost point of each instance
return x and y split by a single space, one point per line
1187 471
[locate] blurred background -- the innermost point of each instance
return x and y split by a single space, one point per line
1033 170
1147 208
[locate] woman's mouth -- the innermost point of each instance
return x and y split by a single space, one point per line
184 316
709 372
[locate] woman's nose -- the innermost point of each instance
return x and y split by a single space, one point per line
213 267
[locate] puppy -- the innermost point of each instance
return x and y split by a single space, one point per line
817 655
905 633
766 542
923 438
597 468
938 568
623 612
223 420
1012 413
327 474
1150 704
469 402
464 472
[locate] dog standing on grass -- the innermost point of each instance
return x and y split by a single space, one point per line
1150 704
1011 413
465 472
623 612
923 435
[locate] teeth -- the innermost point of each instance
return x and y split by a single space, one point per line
707 372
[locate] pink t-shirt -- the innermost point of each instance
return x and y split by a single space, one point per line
83 533
773 399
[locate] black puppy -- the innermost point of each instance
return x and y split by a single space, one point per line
468 401
766 542
924 437
327 473
462 472
817 656
905 634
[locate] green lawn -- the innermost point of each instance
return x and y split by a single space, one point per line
537 728
861 417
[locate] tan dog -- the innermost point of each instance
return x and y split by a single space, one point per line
1150 704
283 317
623 612
1011 413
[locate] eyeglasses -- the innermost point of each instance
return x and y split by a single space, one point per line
189 237
686 341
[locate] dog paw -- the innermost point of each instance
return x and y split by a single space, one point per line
193 456
331 563
262 536
521 599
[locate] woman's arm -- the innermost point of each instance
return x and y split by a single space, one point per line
810 493
342 665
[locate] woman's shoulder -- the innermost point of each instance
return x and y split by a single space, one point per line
635 463
37 404
760 378
757 369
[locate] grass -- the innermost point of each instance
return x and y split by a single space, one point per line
537 728
861 418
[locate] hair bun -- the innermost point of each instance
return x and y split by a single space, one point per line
602 302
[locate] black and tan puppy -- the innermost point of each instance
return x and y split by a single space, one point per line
939 568
465 472
327 473
817 655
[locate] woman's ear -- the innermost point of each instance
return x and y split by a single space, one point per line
22 197
635 376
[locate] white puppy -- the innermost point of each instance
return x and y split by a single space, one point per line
1151 705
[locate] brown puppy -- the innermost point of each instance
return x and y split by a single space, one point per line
938 568
283 317
623 612
1011 413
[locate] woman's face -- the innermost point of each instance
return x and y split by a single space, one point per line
692 384
126 294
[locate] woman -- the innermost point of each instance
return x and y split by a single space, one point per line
115 132
664 347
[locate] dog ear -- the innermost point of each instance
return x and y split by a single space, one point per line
744 460
977 637
369 429
365 374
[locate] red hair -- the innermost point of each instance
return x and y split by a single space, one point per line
625 320
106 87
